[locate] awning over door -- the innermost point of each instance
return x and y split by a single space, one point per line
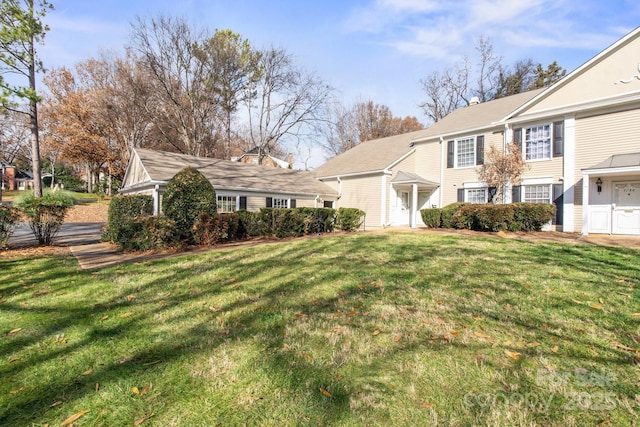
408 178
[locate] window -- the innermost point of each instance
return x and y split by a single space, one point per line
537 142
476 195
226 204
465 152
280 202
537 193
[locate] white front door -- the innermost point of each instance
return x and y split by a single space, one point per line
404 214
626 208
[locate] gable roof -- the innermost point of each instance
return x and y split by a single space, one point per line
255 151
369 156
411 178
629 160
161 166
572 76
477 117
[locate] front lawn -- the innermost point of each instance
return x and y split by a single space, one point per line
366 329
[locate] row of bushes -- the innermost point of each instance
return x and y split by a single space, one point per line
132 225
488 217
45 215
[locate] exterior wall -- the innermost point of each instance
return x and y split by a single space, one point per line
618 133
603 80
135 173
363 192
427 161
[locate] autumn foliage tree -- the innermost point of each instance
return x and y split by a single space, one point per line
502 169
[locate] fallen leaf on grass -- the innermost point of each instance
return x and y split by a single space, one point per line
145 390
143 419
376 332
624 347
533 344
325 392
555 348
97 386
14 331
596 306
635 314
512 354
483 336
105 317
427 405
577 302
17 390
336 329
135 390
397 337
127 314
54 404
131 297
352 313
73 418
88 372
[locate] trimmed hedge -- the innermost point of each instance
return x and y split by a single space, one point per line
187 195
488 217
210 230
349 219
8 218
432 217
123 211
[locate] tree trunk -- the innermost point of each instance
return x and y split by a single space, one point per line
33 118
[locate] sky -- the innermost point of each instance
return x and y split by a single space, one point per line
366 49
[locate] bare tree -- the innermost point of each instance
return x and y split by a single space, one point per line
516 80
445 91
489 67
289 103
187 117
501 169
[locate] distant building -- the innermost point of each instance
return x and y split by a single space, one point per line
253 157
13 178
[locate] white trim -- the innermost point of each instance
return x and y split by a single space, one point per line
392 164
443 164
536 181
414 205
569 179
474 185
612 171
585 204
383 201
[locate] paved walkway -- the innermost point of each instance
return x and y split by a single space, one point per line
83 239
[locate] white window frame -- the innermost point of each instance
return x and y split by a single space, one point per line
280 202
468 191
539 186
527 139
226 203
456 153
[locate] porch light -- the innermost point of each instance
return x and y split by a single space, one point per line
599 184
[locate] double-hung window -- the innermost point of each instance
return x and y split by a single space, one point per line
538 143
279 202
465 152
476 195
537 193
226 204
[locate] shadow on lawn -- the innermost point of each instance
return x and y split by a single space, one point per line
264 311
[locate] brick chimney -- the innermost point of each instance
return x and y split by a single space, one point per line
290 160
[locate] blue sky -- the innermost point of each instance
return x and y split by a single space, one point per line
367 49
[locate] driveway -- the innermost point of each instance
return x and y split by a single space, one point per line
71 234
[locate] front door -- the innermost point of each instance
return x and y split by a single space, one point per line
405 211
626 208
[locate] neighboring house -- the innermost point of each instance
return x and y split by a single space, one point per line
237 185
253 157
580 138
13 178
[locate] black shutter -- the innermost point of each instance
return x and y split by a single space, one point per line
491 193
558 201
515 194
558 139
269 202
480 150
292 204
450 154
243 202
517 137
461 194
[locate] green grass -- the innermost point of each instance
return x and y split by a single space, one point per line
10 196
396 329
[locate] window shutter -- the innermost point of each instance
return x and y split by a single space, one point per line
480 150
243 202
292 203
558 201
461 194
450 154
558 139
515 194
491 193
517 137
269 202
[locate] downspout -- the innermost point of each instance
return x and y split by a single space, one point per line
315 201
442 165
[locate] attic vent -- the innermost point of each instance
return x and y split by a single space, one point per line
474 100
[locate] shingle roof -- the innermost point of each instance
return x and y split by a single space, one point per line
223 174
477 116
374 155
618 161
408 177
